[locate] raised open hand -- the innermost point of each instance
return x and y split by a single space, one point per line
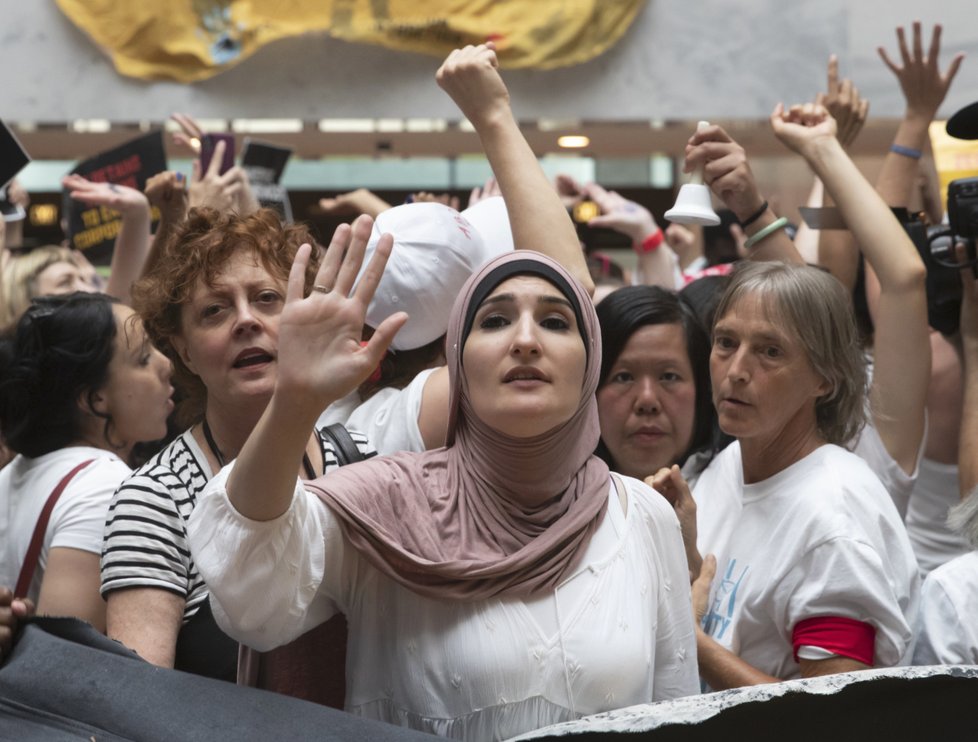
230 191
920 78
119 197
481 193
320 356
190 132
618 213
471 77
843 102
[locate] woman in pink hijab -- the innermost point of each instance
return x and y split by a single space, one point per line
500 584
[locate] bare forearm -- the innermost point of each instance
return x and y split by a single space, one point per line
131 248
879 235
263 479
837 250
776 246
722 669
658 267
537 216
899 172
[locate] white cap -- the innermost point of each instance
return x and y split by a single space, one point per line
435 250
491 220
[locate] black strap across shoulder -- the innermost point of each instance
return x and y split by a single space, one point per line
343 444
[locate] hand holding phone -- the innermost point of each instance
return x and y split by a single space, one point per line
207 146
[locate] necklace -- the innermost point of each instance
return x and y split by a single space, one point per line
212 445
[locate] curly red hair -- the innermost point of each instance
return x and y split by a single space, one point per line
197 252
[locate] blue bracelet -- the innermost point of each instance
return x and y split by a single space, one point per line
899 149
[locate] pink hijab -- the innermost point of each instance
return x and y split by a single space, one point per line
489 514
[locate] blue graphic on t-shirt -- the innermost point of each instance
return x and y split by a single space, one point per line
720 615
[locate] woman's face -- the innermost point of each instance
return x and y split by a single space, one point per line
524 360
647 405
137 393
61 278
764 386
229 335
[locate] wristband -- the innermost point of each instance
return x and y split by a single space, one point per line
767 231
755 216
899 149
650 243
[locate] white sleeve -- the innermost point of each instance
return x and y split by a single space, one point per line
938 638
846 578
267 579
870 448
78 518
676 668
389 419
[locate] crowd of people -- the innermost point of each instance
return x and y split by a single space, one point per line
535 487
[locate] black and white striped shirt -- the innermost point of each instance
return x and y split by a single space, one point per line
145 541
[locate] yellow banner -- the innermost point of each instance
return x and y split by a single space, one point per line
954 158
190 40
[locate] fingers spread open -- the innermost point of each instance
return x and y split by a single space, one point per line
353 259
375 270
297 274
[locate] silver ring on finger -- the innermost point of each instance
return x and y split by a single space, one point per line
321 289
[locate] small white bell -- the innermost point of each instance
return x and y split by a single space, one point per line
694 205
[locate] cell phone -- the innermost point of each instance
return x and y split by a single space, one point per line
207 145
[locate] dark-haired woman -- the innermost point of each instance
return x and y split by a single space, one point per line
654 399
80 384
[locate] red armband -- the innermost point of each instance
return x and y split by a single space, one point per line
845 637
650 243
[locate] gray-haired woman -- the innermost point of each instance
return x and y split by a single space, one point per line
814 570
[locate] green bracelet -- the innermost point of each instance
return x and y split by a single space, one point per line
768 230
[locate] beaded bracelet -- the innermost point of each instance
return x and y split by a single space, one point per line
899 149
755 216
768 230
650 243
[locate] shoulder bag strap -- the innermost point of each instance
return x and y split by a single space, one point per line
34 550
344 446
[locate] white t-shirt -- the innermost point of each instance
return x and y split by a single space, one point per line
389 418
870 448
935 491
616 633
946 631
76 520
820 538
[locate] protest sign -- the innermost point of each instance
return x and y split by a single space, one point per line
93 229
265 164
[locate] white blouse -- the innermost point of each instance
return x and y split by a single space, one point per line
618 632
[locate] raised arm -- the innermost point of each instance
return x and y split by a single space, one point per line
167 192
837 250
132 242
924 88
727 172
537 216
320 360
901 343
657 263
